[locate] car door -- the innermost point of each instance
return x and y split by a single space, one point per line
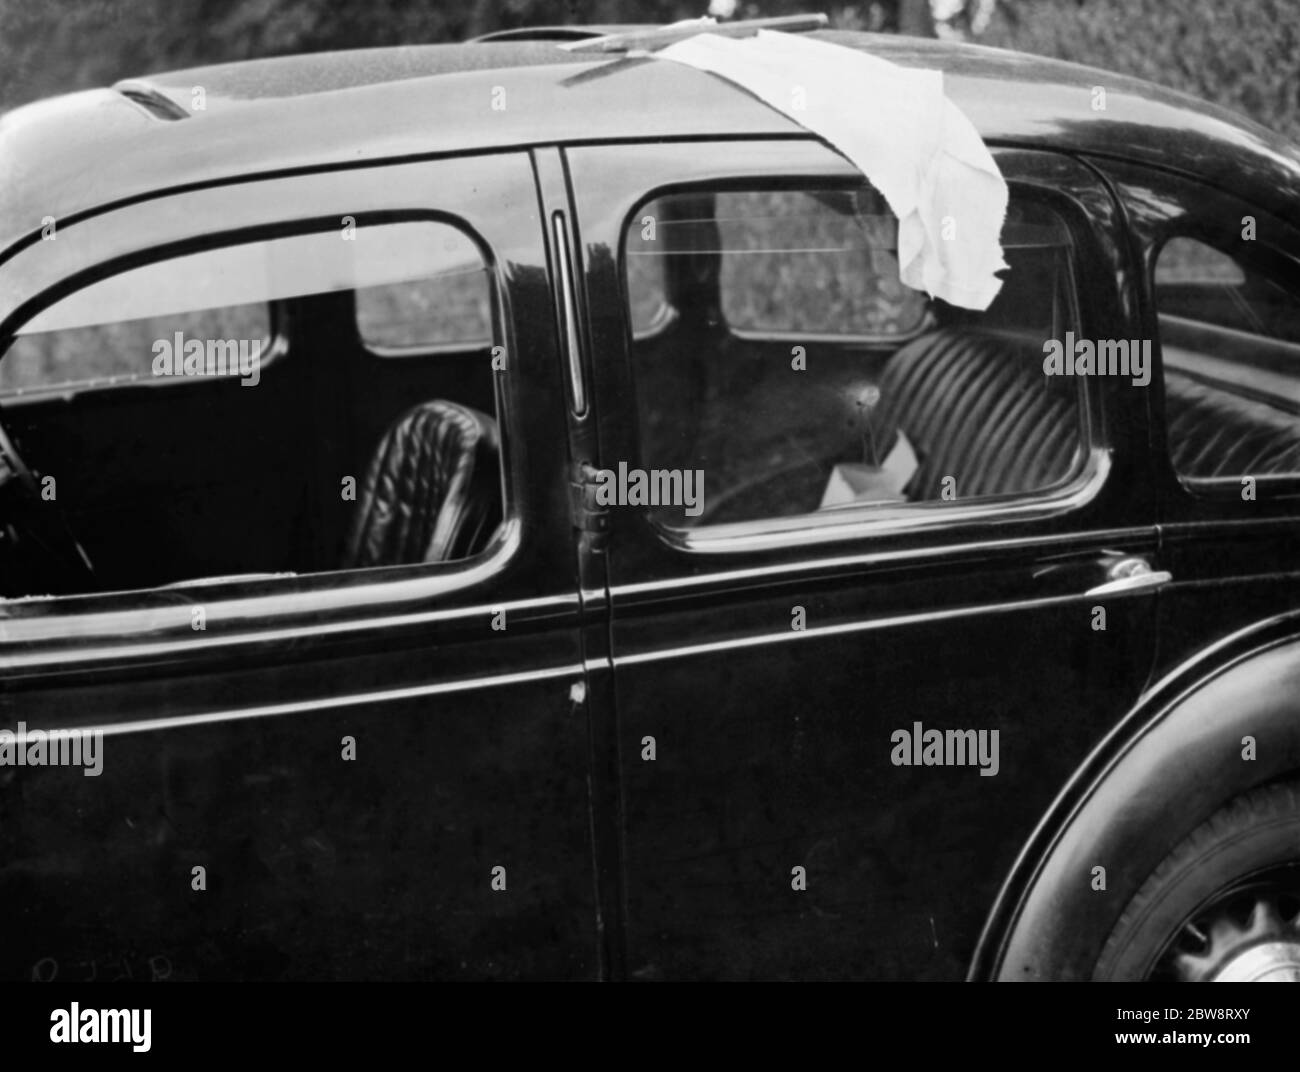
1221 291
349 773
776 674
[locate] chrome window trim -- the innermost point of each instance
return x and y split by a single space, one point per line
1133 538
569 316
862 521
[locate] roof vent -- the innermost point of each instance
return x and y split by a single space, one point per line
151 100
543 33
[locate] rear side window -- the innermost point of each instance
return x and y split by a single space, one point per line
799 377
1230 340
1201 283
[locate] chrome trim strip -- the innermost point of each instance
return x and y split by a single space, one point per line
205 645
1103 539
332 703
840 630
569 316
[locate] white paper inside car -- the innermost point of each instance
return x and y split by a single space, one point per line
854 482
897 127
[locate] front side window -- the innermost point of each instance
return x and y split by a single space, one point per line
225 412
798 376
1230 344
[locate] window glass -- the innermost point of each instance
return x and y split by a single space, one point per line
103 355
451 307
800 377
649 308
828 260
1230 343
1200 282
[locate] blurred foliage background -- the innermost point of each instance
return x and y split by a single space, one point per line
1243 54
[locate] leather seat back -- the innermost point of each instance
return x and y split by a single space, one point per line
432 491
1214 433
975 405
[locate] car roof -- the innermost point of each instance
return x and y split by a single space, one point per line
83 152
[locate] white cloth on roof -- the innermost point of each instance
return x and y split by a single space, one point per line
899 129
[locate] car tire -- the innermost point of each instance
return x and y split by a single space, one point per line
1224 905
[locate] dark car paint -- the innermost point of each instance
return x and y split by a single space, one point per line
617 868
1173 761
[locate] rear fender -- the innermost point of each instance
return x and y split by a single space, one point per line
1175 759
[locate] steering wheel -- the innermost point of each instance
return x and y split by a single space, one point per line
44 523
810 472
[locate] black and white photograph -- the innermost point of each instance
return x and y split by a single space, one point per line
651 491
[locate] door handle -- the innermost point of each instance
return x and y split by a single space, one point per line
1130 575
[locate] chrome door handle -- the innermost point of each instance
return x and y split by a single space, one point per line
1130 575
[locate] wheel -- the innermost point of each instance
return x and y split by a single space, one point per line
1224 906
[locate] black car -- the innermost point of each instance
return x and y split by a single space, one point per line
492 510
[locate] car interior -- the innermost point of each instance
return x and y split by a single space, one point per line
1230 338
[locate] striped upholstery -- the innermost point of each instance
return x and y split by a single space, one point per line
432 491
1213 432
975 405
